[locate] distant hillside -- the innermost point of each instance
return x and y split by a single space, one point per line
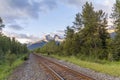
36 45
111 31
46 39
112 35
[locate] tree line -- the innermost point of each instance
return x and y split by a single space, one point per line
88 37
10 48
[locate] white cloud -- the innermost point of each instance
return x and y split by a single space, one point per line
12 10
23 38
15 27
77 3
23 9
105 5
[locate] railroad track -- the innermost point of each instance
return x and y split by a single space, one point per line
60 72
55 75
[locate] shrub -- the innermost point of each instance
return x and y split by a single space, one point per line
10 58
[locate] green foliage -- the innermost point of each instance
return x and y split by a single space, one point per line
111 68
6 69
10 58
11 45
50 48
116 17
68 42
10 51
26 57
88 37
69 32
1 25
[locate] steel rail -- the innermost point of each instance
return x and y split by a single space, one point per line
64 68
53 73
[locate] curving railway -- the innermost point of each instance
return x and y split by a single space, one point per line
58 71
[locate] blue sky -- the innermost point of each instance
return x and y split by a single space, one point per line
29 20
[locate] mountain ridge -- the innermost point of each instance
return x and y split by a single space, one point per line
44 40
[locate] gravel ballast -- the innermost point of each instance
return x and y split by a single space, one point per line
86 71
31 70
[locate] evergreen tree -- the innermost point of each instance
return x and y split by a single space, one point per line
116 17
102 28
69 32
103 35
91 26
78 25
1 25
68 45
71 45
88 33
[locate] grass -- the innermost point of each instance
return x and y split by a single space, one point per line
6 69
111 68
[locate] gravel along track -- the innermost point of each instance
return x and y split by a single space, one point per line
46 68
30 70
86 71
63 71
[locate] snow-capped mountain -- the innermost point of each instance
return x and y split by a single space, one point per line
44 40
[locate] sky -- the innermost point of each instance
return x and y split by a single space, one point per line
30 20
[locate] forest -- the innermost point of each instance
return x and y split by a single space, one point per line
87 43
12 53
88 37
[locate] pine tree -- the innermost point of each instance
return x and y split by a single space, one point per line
102 28
1 25
103 35
88 33
68 43
116 17
78 25
91 26
69 32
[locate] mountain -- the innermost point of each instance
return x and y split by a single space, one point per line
112 35
111 31
58 38
44 40
36 45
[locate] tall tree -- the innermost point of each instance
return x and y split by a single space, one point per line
1 25
103 35
67 45
69 32
102 28
78 25
91 26
89 23
116 17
